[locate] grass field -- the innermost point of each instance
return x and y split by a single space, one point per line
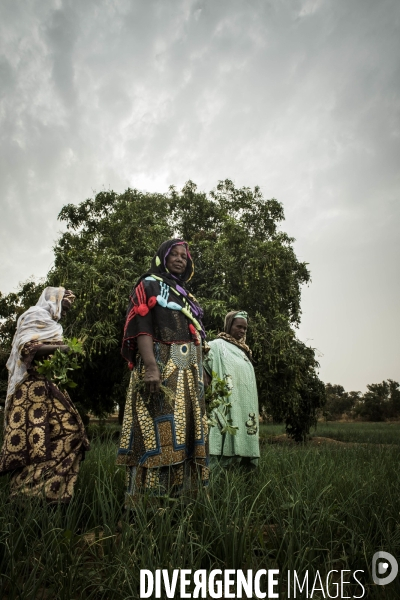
307 508
352 432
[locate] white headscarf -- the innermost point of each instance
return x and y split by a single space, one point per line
38 323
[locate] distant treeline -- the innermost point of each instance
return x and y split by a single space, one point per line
381 401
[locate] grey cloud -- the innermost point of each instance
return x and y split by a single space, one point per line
62 31
7 79
300 97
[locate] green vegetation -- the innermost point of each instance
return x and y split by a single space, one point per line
350 431
381 401
305 508
218 405
56 368
361 433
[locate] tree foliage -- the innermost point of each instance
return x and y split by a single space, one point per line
242 259
339 402
381 401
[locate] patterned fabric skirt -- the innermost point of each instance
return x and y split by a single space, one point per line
164 437
44 442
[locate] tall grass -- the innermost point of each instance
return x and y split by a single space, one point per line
353 432
365 433
305 508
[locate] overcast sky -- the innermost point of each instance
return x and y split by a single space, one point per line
300 97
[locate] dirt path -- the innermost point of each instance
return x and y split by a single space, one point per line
314 441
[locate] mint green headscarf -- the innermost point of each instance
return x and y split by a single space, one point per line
242 314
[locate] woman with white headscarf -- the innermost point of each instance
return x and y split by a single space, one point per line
44 437
231 359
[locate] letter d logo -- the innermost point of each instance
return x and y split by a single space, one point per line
383 567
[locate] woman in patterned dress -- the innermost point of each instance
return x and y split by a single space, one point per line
44 437
163 438
230 358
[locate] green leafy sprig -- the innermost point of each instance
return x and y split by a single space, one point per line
218 405
58 365
139 386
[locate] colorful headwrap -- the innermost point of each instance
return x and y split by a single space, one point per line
158 264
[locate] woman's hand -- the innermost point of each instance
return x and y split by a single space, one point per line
152 375
152 378
48 349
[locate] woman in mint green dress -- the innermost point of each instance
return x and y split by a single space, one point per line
230 358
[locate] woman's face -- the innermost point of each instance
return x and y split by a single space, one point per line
177 260
238 328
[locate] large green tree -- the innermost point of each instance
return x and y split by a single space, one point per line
242 259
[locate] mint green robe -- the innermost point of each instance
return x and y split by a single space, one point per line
227 360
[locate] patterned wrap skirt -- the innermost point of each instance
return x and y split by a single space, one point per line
164 436
44 441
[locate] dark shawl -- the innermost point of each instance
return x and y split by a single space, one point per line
147 316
